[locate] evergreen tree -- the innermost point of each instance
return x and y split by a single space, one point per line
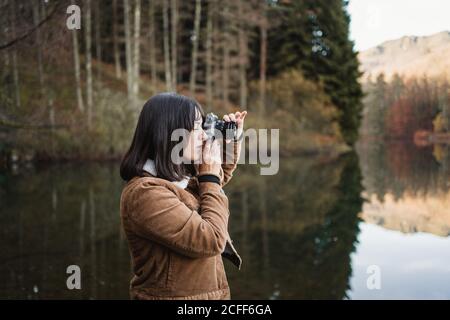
335 62
290 40
313 35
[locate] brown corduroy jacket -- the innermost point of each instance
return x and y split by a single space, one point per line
177 237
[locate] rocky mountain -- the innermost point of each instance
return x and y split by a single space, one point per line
410 56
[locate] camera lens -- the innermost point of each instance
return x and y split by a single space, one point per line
212 126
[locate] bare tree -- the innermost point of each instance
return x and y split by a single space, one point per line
4 32
116 42
152 43
263 25
88 39
129 61
167 65
217 57
226 57
76 60
243 56
98 39
136 47
209 57
174 42
195 41
51 107
36 19
17 38
12 8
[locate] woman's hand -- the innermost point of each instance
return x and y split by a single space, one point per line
237 117
211 160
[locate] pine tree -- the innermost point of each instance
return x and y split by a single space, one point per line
313 35
335 62
289 40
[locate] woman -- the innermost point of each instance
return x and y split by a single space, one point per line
175 216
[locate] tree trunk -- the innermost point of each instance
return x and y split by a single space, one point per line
137 47
198 8
216 47
243 59
116 42
51 108
88 33
129 61
152 44
98 40
226 58
174 43
166 46
76 59
209 62
4 32
36 19
262 66
6 58
14 56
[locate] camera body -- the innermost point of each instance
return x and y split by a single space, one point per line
216 128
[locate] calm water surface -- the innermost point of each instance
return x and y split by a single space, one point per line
312 231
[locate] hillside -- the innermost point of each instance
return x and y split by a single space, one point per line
408 56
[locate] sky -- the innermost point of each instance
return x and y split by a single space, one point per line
376 21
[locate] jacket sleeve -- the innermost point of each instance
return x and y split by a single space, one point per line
230 159
159 215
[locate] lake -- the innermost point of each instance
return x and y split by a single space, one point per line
320 229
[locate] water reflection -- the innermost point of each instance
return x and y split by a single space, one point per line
304 233
296 229
406 224
57 216
407 188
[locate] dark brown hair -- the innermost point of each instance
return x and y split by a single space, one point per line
160 116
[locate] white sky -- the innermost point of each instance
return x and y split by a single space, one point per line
376 21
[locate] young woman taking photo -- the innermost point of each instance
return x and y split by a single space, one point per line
175 215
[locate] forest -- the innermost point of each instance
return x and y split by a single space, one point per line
405 133
68 93
409 109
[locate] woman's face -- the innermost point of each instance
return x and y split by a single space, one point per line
194 147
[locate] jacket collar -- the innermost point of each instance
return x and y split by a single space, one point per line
150 167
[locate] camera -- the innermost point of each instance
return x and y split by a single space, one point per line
216 128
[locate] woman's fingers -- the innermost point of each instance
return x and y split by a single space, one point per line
235 116
240 119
